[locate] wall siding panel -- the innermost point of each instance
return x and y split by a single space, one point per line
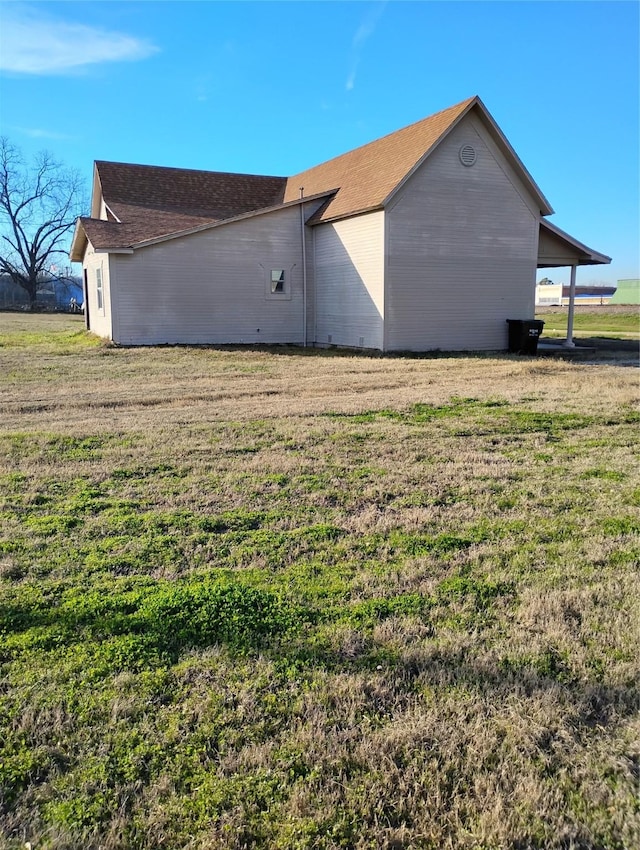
213 287
100 320
349 282
461 250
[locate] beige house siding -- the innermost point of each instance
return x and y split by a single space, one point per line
461 249
214 286
99 317
349 274
308 209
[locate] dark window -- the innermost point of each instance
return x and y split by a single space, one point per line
277 281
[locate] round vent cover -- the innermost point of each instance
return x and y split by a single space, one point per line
467 155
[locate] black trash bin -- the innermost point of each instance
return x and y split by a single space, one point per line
524 335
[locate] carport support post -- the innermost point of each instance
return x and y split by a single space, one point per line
569 343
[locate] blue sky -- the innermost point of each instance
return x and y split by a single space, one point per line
273 88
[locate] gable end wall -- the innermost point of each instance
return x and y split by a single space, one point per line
461 249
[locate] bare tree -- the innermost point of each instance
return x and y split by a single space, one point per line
39 204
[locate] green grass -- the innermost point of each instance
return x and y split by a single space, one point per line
255 599
49 332
601 322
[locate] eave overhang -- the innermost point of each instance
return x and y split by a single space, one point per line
558 249
78 243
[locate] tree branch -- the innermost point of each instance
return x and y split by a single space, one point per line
38 207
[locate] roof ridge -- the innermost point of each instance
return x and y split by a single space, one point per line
99 162
428 118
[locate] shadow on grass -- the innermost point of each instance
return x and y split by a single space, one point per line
589 704
331 352
139 623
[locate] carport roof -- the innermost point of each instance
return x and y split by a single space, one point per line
557 248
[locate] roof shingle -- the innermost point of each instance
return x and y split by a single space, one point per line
152 201
210 194
367 175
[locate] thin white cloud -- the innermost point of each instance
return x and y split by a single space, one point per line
33 43
38 133
202 88
363 33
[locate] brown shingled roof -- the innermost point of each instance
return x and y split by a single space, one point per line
138 224
105 234
367 175
152 201
210 194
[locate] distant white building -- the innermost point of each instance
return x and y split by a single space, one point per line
548 293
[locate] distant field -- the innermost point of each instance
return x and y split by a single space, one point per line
285 599
615 321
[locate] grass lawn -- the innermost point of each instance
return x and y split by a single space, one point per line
613 322
285 599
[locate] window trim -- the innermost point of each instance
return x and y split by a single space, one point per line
284 276
100 290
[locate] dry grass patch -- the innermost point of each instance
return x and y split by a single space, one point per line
288 599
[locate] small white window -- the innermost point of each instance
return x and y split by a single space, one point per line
277 282
99 292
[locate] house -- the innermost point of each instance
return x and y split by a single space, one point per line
428 238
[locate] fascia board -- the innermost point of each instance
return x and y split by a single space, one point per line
108 208
96 193
516 162
345 216
79 243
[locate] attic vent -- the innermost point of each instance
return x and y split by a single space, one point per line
467 155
